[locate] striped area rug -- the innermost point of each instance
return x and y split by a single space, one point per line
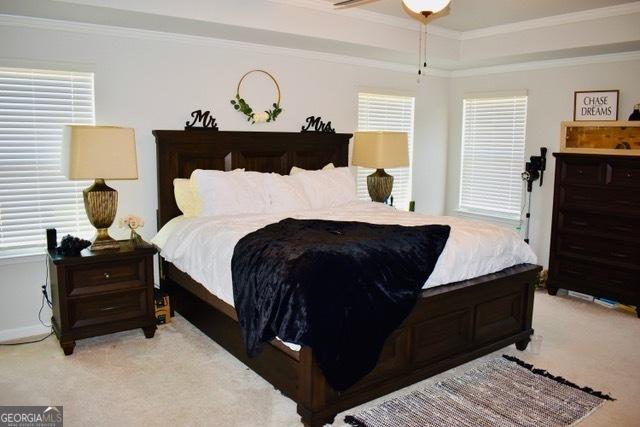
503 392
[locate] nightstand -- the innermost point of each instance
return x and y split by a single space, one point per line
99 293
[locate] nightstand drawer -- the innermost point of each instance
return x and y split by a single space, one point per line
107 308
106 276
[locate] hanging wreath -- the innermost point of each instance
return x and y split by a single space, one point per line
242 106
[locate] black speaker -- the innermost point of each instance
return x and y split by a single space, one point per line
52 238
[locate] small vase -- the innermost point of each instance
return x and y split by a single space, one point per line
136 240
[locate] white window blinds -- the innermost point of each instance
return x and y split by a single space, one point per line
493 138
392 113
34 105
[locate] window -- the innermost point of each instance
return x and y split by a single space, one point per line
493 137
34 105
392 113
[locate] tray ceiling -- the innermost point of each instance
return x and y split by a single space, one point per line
468 15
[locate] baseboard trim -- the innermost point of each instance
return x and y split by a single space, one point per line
24 332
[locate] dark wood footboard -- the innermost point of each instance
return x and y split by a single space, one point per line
450 325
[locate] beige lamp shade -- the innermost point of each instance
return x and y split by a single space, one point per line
380 149
106 152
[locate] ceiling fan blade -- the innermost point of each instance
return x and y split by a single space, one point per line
348 2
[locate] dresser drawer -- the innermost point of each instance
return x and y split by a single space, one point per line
599 198
627 252
625 175
108 308
598 224
582 171
584 274
90 279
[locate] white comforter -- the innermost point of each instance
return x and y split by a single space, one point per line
203 247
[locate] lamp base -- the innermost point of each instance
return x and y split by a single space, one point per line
379 185
103 241
101 204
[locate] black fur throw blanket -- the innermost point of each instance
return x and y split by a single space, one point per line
340 288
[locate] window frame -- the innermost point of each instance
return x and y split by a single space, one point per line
361 172
498 216
45 112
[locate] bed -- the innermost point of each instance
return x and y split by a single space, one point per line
450 324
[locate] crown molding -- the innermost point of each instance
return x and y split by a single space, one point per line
550 21
115 31
411 24
547 64
375 17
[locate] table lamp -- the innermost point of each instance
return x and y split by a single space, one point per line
379 150
99 152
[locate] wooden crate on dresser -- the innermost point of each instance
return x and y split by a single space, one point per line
595 236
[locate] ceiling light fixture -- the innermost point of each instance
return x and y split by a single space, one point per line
426 7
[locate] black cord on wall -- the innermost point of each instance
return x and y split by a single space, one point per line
45 299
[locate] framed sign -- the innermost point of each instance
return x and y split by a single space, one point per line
596 105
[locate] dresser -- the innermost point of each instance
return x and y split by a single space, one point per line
595 235
98 293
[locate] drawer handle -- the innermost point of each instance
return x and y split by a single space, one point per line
580 223
616 282
576 248
623 202
619 255
107 275
111 308
580 172
629 175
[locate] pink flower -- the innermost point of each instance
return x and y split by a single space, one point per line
131 221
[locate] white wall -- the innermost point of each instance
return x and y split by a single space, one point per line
550 102
153 83
429 154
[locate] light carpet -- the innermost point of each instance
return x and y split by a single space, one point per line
181 377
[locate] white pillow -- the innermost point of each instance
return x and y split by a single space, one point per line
327 188
229 193
164 233
185 197
295 169
285 193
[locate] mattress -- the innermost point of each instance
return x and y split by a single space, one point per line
203 247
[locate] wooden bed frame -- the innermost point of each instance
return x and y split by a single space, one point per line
450 325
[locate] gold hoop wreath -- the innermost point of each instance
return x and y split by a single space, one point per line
239 104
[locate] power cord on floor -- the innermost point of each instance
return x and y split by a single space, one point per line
27 342
45 299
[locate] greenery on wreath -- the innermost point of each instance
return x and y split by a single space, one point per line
266 116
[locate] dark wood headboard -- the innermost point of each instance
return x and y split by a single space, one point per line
181 152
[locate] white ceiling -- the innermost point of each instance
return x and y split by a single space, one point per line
467 15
